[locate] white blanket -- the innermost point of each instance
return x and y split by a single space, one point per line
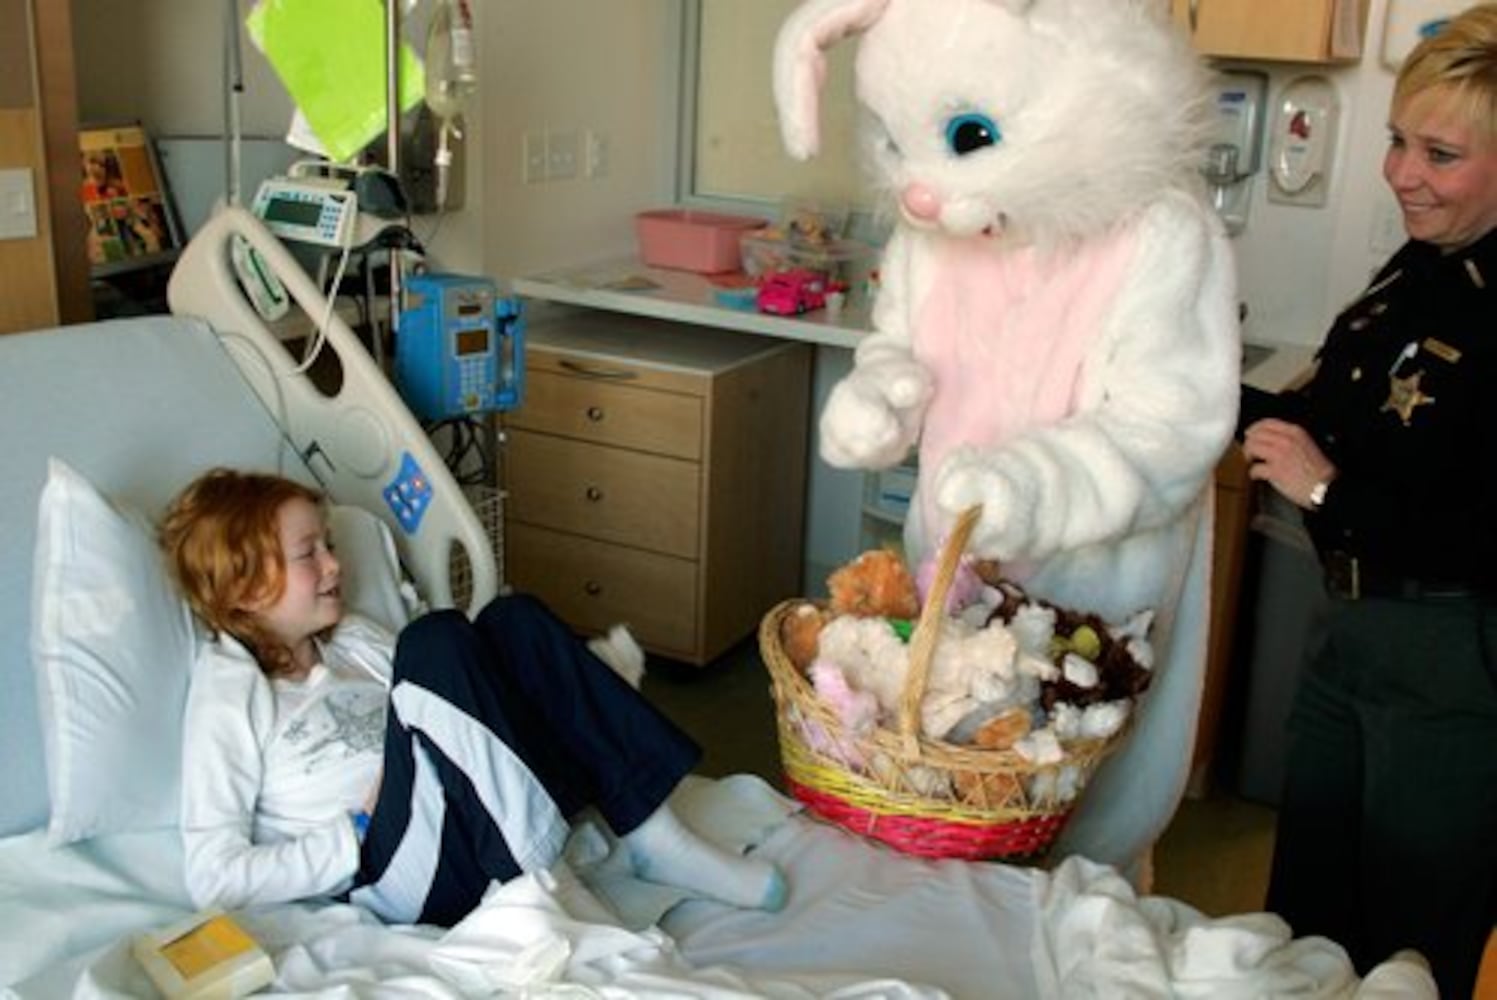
861 922
1095 938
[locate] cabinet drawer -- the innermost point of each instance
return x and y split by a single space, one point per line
607 493
594 585
611 413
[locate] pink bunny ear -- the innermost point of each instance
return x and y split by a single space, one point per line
800 64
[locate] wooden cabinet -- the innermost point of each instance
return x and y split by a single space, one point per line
1316 31
1234 503
656 477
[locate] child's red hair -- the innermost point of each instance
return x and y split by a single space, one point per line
222 541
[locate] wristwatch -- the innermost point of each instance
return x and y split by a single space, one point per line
1318 492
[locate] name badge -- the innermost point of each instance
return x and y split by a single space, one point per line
1441 350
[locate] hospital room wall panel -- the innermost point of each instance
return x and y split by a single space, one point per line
29 298
43 278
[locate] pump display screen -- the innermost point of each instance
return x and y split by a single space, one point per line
297 213
472 341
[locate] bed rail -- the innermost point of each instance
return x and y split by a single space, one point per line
361 442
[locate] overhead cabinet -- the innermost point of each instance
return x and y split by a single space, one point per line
1312 31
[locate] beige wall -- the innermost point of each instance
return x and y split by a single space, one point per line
575 64
562 64
161 61
737 136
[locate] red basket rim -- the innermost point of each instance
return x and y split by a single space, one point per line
929 837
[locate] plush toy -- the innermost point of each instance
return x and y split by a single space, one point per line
875 584
975 673
967 590
1056 325
800 632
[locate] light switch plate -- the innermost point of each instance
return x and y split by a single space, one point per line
535 157
561 154
17 204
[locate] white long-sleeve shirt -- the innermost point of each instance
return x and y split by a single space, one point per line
273 769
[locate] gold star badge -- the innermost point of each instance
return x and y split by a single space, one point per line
1404 394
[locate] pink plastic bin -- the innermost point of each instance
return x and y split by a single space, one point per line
679 238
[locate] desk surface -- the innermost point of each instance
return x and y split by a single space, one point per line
687 298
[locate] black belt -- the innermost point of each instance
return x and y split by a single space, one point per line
1348 577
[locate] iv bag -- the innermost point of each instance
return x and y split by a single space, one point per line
451 62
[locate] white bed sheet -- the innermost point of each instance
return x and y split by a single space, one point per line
861 922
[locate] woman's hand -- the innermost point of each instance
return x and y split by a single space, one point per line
1287 458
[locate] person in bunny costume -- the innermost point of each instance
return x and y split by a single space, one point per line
1056 325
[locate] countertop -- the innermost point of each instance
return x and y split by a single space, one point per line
1283 366
625 285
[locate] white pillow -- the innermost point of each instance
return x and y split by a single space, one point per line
371 579
113 647
112 644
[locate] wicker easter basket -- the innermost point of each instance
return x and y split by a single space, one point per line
924 797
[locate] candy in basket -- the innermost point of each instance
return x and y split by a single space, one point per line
969 732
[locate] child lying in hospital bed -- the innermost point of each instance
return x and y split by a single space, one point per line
321 757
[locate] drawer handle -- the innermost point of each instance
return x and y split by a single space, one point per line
594 494
1195 15
592 588
595 413
594 371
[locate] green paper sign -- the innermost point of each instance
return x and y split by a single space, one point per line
330 55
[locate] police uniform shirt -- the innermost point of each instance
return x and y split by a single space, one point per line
1404 402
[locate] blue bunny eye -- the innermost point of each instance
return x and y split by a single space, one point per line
967 133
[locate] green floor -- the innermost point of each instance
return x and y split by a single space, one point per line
1214 855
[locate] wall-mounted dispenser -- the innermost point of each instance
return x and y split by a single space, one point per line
1408 21
1235 151
1302 141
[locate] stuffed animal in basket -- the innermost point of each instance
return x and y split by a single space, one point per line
1056 327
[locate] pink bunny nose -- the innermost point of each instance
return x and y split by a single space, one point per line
921 202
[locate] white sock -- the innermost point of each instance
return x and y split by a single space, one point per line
664 850
617 648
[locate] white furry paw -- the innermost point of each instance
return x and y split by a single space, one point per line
872 417
1006 528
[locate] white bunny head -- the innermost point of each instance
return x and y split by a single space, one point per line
1030 120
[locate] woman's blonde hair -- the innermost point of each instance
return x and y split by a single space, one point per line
1460 62
221 537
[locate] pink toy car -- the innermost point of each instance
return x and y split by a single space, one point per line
790 293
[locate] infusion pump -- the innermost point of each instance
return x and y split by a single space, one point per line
460 347
321 210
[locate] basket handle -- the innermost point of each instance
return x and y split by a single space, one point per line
928 629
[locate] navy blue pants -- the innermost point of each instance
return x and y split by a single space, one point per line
499 731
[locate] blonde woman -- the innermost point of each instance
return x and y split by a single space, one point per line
1388 820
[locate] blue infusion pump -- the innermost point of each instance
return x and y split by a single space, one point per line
460 348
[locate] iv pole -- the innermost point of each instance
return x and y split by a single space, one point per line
392 140
233 91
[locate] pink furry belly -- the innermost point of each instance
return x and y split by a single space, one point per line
1005 336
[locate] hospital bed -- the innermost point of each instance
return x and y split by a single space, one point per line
135 408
